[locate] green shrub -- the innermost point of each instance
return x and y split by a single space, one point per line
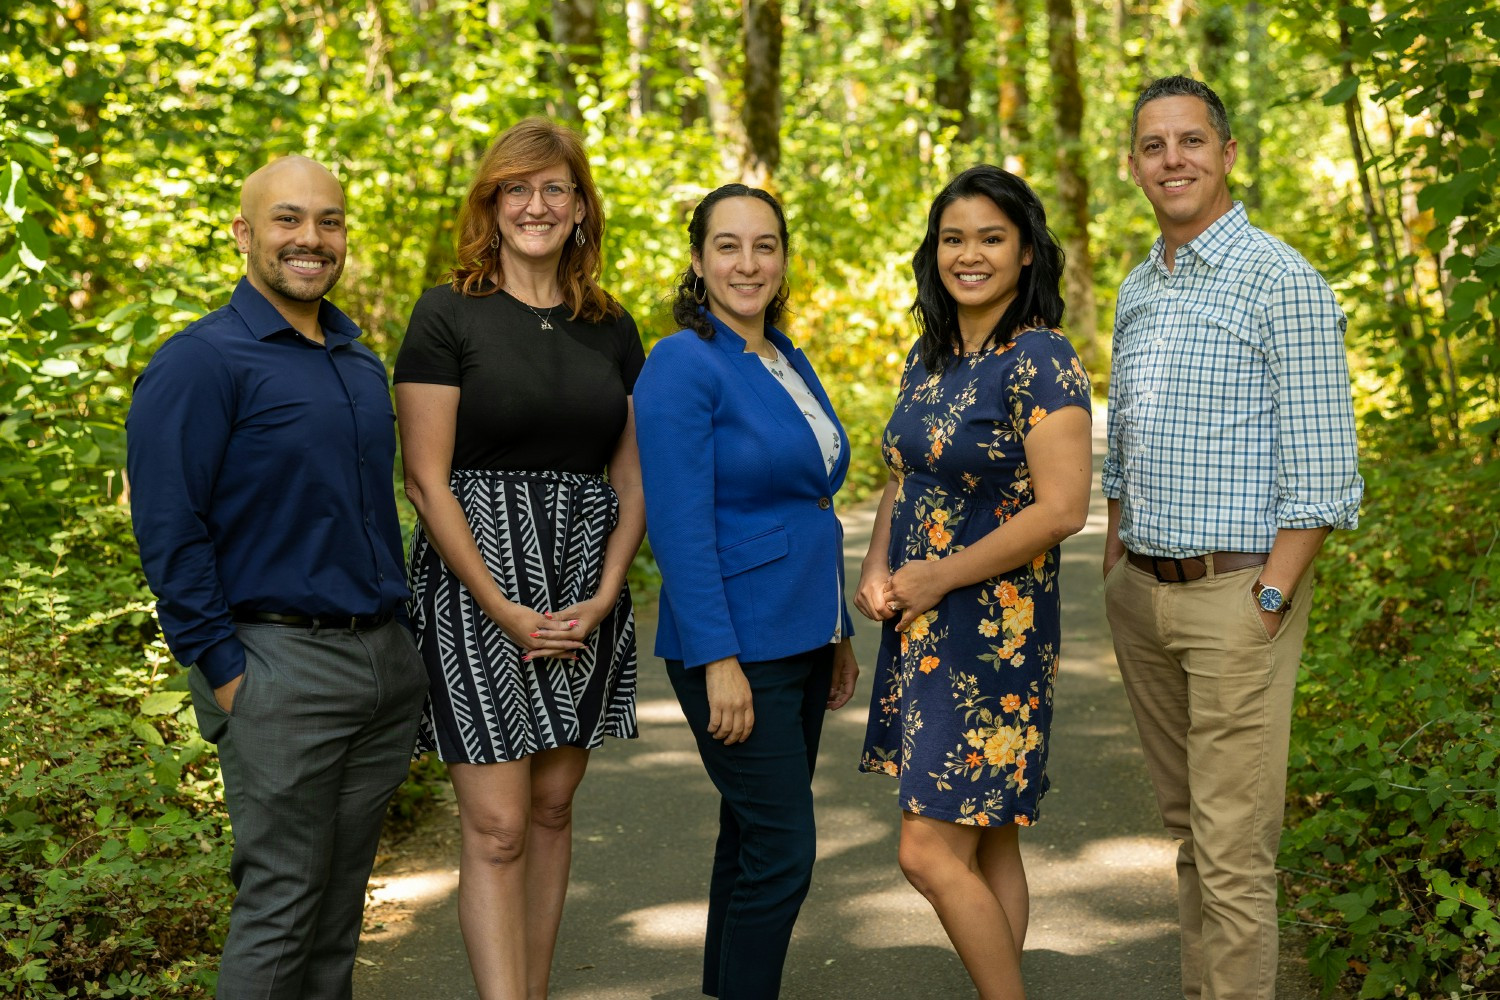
1394 836
113 842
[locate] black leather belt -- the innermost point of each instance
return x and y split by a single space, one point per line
1189 568
351 623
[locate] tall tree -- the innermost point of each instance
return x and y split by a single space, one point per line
762 111
1072 180
951 24
575 35
1012 55
638 30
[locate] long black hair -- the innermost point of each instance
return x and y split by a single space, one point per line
686 307
1038 300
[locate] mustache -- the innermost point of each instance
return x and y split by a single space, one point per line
299 252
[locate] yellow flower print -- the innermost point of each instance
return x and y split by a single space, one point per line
914 807
1011 703
989 629
1019 660
939 515
1006 593
1033 738
928 664
975 738
1037 413
1019 617
921 626
1000 749
890 768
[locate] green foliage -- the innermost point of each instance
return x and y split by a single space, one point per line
113 847
1394 831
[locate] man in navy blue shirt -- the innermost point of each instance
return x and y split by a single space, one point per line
261 444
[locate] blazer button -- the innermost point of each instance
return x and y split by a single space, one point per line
824 503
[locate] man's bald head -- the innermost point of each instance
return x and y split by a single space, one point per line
291 226
289 169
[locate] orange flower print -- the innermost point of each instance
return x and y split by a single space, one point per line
982 819
928 664
1037 413
937 449
891 768
1022 820
1018 618
1036 702
938 536
1000 749
973 760
1006 593
989 629
1039 561
1011 703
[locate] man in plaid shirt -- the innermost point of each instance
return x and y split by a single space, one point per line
1231 456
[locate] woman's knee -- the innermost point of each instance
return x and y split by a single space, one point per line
495 838
552 813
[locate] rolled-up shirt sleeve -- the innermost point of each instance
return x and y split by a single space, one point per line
1317 470
181 416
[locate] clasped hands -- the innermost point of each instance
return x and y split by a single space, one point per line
910 592
550 635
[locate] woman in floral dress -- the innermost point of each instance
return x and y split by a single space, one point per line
989 450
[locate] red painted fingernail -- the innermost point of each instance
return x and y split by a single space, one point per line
536 635
546 616
572 623
526 658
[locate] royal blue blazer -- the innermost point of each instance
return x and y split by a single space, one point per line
739 503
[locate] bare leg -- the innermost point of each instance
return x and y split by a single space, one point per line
494 810
1001 868
555 775
941 860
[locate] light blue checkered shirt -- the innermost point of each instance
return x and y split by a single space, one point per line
1229 407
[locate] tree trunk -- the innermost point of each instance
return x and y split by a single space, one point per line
762 113
1248 118
953 84
1015 96
1413 370
638 29
1072 181
575 36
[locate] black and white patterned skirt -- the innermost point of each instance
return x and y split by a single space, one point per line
542 535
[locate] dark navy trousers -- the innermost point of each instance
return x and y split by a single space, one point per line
767 840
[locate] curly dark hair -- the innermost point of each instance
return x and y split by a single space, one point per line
687 310
1038 299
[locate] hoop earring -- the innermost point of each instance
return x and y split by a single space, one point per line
786 288
579 237
495 242
700 291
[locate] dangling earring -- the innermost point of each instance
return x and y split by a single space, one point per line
495 242
786 288
578 236
700 291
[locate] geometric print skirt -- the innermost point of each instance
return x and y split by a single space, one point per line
542 535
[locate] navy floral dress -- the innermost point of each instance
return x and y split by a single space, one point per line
962 702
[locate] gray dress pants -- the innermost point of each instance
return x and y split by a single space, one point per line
321 736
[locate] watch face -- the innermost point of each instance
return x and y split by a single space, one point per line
1270 599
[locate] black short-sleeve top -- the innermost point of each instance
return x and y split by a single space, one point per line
530 399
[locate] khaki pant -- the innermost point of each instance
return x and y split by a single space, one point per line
1212 696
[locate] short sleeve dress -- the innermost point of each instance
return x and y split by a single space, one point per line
962 702
542 404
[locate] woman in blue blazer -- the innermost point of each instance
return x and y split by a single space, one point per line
741 454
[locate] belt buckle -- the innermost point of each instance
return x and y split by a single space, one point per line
1177 567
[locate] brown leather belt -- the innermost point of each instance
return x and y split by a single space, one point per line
1189 568
352 623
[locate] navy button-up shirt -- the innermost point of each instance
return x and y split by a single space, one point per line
260 475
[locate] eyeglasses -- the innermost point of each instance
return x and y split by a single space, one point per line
555 194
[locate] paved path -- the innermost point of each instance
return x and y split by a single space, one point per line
1100 868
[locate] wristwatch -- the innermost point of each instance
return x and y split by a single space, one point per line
1270 599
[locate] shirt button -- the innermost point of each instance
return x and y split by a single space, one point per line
824 503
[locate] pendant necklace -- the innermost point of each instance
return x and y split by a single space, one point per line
546 325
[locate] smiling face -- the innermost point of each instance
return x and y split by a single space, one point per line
1182 166
979 260
742 263
291 227
534 229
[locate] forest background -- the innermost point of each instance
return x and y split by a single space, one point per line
1367 139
